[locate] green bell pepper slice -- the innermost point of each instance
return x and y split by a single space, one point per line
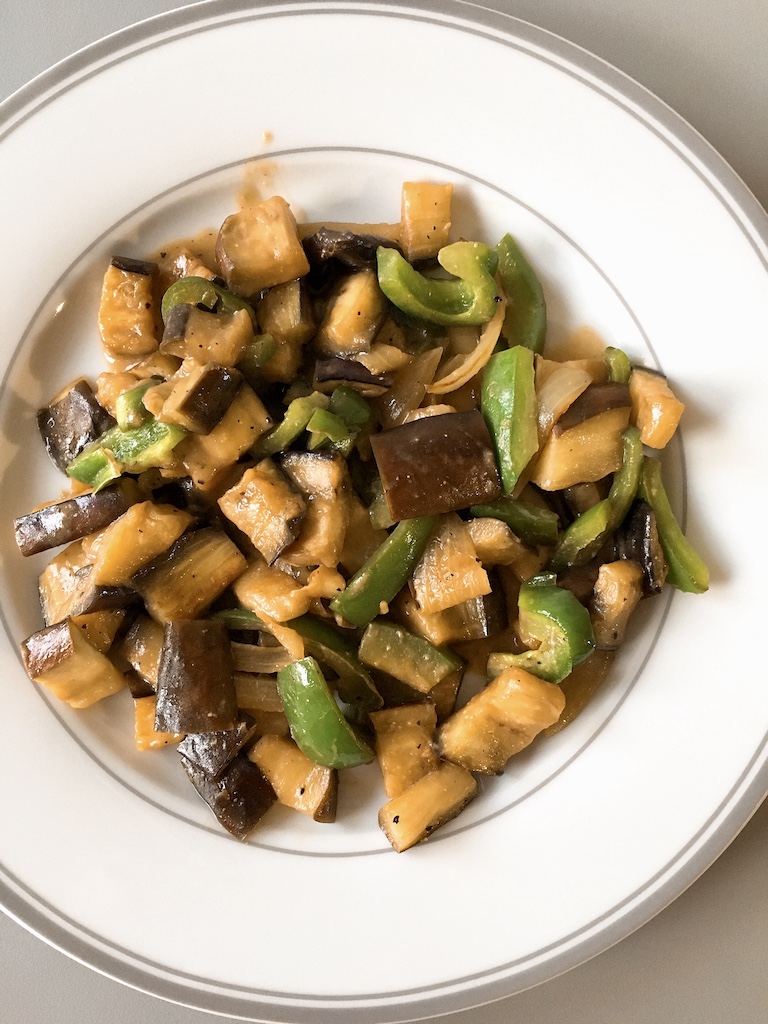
129 407
339 653
199 291
411 659
533 524
317 724
292 426
385 573
470 299
687 570
509 407
584 537
556 618
525 318
126 451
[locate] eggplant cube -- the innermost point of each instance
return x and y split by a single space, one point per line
266 507
61 659
127 319
437 464
500 721
298 782
426 805
195 683
259 247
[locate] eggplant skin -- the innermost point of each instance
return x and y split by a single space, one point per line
239 797
211 752
69 520
437 464
195 681
72 422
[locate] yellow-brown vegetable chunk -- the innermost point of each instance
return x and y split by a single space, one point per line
500 721
426 805
656 411
425 218
404 748
259 247
298 782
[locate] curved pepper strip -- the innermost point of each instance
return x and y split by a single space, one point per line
508 403
687 571
469 300
385 573
317 725
525 321
583 538
556 618
199 291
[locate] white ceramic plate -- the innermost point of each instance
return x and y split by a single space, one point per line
639 230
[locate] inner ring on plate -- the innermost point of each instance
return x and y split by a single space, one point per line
142 774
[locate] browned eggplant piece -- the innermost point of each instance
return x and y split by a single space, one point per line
72 421
183 581
239 797
195 683
426 805
61 658
638 540
266 507
617 591
298 782
355 251
195 333
437 464
199 400
69 520
75 593
332 373
127 315
593 400
211 752
140 647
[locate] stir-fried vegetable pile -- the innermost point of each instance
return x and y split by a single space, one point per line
328 475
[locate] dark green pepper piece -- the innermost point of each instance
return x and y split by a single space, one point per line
199 291
531 523
294 423
559 621
584 537
509 408
525 318
687 571
385 573
470 299
126 451
411 659
317 725
328 646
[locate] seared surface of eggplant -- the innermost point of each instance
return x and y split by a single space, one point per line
71 422
68 520
195 684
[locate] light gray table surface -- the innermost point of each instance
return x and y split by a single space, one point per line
704 959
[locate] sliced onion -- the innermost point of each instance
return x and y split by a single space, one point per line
259 660
475 361
561 387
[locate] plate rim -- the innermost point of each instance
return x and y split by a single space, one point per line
747 795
